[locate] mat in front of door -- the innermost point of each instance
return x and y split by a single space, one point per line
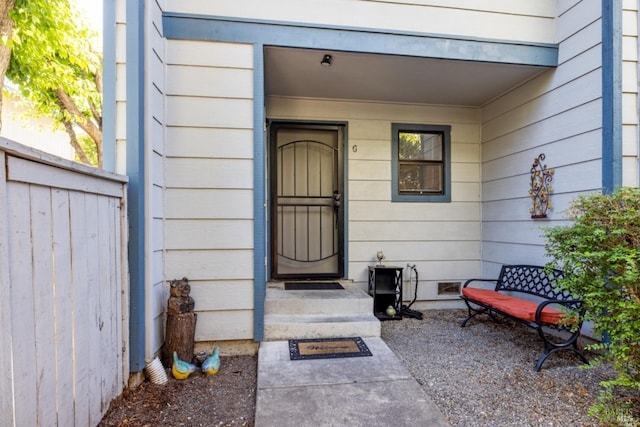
327 348
311 286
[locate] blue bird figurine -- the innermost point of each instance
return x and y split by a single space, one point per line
211 365
181 369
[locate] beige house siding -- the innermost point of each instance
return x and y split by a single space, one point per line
157 290
630 141
121 87
209 182
442 239
559 114
523 20
209 154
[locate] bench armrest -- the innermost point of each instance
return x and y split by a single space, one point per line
567 303
495 281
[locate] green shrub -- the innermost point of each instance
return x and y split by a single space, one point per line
600 254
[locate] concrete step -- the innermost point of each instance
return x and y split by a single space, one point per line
318 313
321 302
285 327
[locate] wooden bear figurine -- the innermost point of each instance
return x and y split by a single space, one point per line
179 300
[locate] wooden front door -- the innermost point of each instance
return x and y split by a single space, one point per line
306 201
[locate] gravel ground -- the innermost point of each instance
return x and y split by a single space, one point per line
482 375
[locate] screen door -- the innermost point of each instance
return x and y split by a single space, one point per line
307 206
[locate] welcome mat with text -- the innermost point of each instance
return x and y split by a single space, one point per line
311 286
327 348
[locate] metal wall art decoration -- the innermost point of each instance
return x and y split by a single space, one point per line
540 191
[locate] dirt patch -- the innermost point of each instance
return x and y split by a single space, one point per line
225 399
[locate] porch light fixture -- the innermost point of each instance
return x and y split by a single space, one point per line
326 61
540 191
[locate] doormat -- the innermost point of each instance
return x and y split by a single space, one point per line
311 286
327 348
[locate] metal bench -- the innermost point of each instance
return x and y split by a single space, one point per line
546 309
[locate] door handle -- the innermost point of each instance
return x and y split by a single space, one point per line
337 199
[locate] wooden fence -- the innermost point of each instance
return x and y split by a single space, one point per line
63 289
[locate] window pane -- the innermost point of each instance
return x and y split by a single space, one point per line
420 178
420 146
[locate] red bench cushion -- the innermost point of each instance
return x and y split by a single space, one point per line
516 307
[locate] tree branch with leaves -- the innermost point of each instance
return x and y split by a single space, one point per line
6 33
55 62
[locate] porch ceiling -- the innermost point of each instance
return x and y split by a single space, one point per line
295 72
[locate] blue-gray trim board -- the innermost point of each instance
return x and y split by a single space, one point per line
215 28
259 198
445 130
611 95
135 75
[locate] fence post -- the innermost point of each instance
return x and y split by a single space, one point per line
6 378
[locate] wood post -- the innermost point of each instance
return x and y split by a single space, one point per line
180 333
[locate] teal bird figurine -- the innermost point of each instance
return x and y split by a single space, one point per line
181 369
211 365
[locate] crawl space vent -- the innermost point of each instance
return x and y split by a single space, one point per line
449 288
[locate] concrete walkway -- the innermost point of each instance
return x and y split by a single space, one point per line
359 391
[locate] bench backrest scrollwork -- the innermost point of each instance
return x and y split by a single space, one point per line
533 280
